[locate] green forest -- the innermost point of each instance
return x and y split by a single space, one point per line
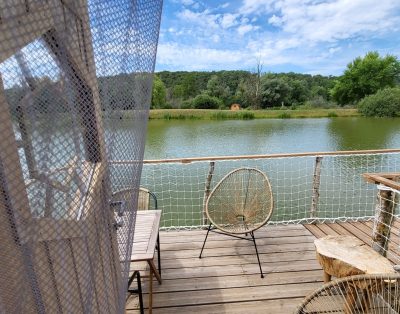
369 83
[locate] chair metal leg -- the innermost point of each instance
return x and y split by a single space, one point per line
208 231
258 258
138 290
159 253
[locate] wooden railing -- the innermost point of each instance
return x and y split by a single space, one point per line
263 156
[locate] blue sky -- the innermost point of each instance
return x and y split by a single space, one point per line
306 36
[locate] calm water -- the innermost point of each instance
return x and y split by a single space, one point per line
181 138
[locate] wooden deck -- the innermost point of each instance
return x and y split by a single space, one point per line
227 279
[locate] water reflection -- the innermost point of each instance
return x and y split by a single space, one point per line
169 139
364 133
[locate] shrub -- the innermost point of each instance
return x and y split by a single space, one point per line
332 114
166 106
284 115
204 101
307 106
318 102
187 104
385 103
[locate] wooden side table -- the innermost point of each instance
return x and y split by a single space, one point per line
146 240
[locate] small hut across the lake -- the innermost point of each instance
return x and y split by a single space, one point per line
235 107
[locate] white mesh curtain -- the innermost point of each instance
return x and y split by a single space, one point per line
75 89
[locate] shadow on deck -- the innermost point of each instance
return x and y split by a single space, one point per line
227 279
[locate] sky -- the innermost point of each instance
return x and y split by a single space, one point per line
304 36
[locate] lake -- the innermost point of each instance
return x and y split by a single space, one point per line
343 193
193 138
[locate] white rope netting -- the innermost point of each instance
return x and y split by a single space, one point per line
302 193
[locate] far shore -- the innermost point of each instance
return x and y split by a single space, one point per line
212 114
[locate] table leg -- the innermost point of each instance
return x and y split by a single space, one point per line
150 291
155 271
327 277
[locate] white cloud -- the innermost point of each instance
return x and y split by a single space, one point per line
204 18
329 21
256 6
187 2
311 34
182 57
245 28
215 38
229 20
333 50
275 20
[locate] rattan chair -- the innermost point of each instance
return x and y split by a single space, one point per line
355 294
240 203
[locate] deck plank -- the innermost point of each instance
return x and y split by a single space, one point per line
226 279
231 295
279 306
236 260
317 232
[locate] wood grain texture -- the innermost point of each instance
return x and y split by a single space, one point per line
344 255
227 280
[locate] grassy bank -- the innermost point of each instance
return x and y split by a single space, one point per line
200 114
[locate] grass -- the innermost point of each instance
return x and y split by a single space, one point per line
232 115
208 114
285 115
332 114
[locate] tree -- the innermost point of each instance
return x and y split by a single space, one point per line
158 98
275 92
365 76
298 91
189 85
217 88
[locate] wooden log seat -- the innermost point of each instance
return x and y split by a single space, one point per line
344 255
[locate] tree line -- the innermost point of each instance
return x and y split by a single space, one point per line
255 90
370 83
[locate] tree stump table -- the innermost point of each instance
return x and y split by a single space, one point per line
342 256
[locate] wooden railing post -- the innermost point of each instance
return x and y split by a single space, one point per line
383 221
315 188
207 191
385 208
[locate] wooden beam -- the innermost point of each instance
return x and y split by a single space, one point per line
387 179
50 229
9 158
16 33
84 95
